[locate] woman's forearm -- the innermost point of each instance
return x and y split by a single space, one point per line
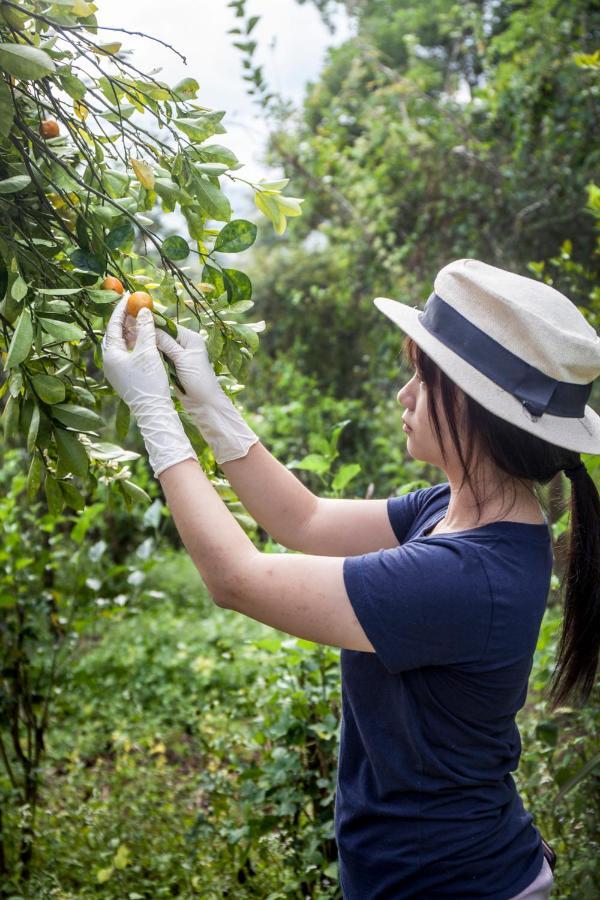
272 494
218 546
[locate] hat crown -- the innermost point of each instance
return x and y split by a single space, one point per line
530 318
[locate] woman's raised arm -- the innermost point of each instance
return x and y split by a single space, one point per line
297 518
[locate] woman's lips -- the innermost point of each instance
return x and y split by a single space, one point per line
406 427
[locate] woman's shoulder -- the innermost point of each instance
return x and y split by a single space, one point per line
410 510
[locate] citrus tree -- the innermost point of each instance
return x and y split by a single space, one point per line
92 153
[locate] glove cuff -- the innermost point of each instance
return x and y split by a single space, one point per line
223 428
161 428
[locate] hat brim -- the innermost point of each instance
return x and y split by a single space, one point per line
581 435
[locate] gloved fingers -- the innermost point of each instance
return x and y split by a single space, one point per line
168 344
146 331
188 338
130 329
113 336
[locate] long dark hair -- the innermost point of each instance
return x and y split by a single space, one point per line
528 459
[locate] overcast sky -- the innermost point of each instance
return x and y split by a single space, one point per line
292 43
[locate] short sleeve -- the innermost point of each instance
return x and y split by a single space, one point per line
425 603
403 510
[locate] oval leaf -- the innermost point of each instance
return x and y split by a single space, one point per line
25 62
238 285
236 236
71 454
61 331
54 496
34 476
22 339
72 496
77 417
175 247
49 388
121 236
14 184
34 425
122 420
86 262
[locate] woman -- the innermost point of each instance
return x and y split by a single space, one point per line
436 596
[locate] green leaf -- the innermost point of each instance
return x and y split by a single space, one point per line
19 289
120 237
236 236
99 296
175 247
86 262
34 476
54 496
344 476
10 416
7 110
214 276
212 168
122 420
21 342
238 285
218 154
314 462
583 772
269 207
169 192
215 344
62 331
49 388
77 417
59 292
34 424
121 858
134 492
73 497
202 126
14 184
212 200
104 875
233 358
248 334
186 89
116 183
71 454
25 62
73 86
106 451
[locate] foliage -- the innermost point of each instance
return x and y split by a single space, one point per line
439 131
80 201
55 582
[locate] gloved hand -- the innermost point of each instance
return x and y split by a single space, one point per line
139 378
217 419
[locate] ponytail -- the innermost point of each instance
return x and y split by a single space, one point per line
579 645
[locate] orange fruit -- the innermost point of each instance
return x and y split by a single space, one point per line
138 300
49 128
111 283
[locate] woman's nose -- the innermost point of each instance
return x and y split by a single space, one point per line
405 395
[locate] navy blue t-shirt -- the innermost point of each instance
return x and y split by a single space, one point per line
426 806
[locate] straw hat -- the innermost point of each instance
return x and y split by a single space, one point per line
517 346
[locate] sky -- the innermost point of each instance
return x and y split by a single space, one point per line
292 43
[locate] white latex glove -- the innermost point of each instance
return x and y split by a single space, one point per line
138 376
217 419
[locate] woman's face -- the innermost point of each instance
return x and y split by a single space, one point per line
421 439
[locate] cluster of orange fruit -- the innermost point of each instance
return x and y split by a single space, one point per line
138 300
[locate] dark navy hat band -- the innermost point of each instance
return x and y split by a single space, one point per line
537 392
